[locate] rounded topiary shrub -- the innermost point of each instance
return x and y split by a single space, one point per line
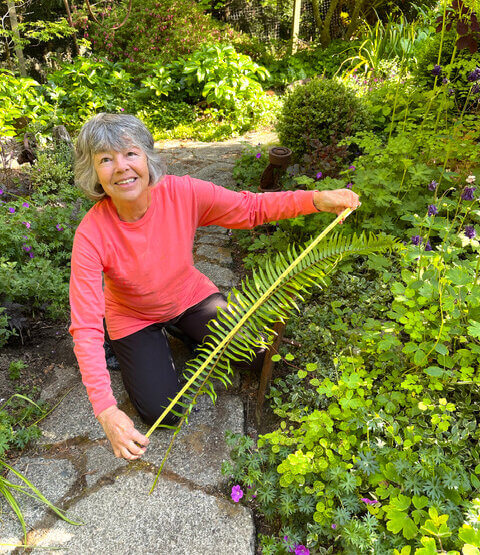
318 111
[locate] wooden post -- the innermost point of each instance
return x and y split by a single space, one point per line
297 5
12 14
266 375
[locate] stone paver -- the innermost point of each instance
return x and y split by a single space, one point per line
189 512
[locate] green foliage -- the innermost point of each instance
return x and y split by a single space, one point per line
156 31
36 236
308 63
456 65
396 39
269 296
5 330
377 448
319 110
84 87
23 103
16 366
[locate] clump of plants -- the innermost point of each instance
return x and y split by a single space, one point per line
155 31
317 111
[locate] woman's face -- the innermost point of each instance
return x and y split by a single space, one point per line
123 175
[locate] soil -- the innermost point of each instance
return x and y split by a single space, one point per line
42 345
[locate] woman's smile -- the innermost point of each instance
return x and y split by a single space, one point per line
125 178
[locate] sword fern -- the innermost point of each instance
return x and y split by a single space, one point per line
267 297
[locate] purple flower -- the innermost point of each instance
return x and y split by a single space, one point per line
31 255
258 155
445 81
474 75
428 246
432 185
470 231
416 240
26 248
25 205
432 210
334 526
285 538
319 175
368 501
26 224
468 193
351 168
11 209
349 185
59 227
237 493
476 88
301 550
437 70
1 191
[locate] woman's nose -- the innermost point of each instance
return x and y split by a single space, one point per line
121 163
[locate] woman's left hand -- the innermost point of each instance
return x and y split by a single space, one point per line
336 201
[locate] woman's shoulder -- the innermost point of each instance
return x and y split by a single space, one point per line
96 216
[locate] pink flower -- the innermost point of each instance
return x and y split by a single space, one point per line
368 501
237 493
349 185
319 175
258 155
25 205
26 224
302 550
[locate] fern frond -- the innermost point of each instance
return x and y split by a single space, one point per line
267 297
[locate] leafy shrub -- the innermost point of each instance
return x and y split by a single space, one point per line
36 237
23 104
318 110
308 63
84 87
224 84
166 115
156 31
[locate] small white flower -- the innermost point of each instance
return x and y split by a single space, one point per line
470 179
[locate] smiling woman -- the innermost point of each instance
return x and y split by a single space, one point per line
137 239
125 178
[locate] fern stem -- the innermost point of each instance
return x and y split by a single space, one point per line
247 315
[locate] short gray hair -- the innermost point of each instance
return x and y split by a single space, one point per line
114 132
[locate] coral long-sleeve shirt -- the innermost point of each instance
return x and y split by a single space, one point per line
147 265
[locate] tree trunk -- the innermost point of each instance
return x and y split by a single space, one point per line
297 5
12 14
354 19
325 37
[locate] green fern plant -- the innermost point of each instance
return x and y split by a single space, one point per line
268 297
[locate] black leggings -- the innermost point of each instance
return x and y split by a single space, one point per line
146 363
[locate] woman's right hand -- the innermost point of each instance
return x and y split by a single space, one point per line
126 441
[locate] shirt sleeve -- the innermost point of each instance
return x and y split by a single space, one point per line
245 210
87 304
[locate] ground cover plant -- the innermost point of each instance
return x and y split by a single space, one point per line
376 447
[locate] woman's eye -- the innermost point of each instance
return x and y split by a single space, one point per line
131 153
104 160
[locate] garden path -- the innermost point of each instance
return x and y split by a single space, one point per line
190 512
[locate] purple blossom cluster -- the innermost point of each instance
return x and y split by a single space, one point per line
432 210
470 231
437 70
468 193
474 75
432 185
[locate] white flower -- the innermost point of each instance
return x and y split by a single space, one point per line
470 179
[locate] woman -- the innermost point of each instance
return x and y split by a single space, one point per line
139 238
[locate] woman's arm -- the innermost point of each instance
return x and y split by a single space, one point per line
87 309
